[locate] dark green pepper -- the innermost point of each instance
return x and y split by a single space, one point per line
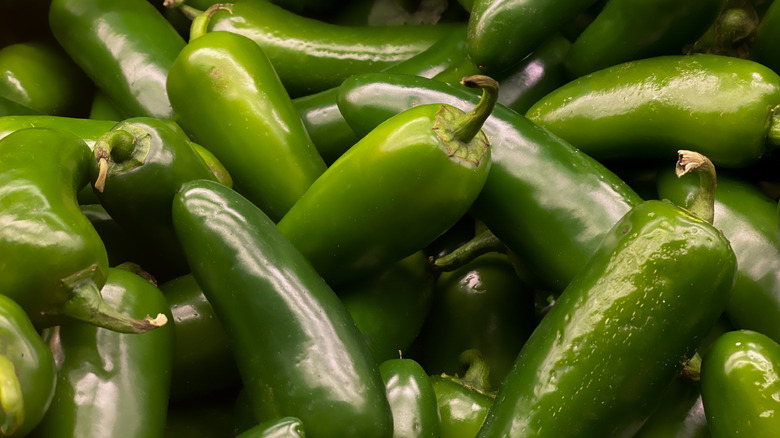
310 55
602 357
108 383
125 47
412 399
297 349
228 97
210 417
553 224
26 371
740 385
626 30
103 108
53 262
720 106
394 192
765 48
10 108
285 427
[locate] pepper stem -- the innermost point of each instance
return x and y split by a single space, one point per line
692 369
704 202
121 149
11 398
482 243
478 373
86 304
468 125
200 22
774 126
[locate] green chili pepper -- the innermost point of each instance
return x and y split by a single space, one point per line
41 76
626 30
296 347
26 371
739 385
86 129
503 32
599 361
285 427
719 106
103 108
203 361
765 48
120 246
10 108
310 55
394 192
748 219
549 203
482 306
52 262
108 383
412 399
125 47
229 99
463 402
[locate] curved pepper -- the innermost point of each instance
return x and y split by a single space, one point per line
394 192
296 347
412 399
10 108
547 201
108 383
311 55
86 129
228 97
601 358
285 427
765 48
720 106
739 385
125 47
53 262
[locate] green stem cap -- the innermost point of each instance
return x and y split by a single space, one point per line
120 150
478 373
482 243
704 202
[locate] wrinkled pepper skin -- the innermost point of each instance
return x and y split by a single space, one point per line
748 219
311 56
108 383
221 77
602 357
32 366
203 361
387 197
719 106
412 399
125 47
389 309
285 427
298 351
503 32
739 384
626 30
39 75
553 225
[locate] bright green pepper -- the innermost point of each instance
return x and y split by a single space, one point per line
125 47
601 358
26 370
412 399
394 192
740 385
108 383
52 262
228 97
86 129
719 106
297 349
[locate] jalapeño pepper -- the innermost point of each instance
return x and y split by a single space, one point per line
412 399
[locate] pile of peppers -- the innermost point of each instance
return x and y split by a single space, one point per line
389 218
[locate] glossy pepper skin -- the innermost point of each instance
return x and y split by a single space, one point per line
720 106
412 399
296 347
103 108
10 108
389 309
626 30
39 75
764 48
108 383
203 361
228 97
27 370
600 359
125 47
52 261
394 192
739 383
285 427
87 130
553 225
311 55
503 32
748 219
